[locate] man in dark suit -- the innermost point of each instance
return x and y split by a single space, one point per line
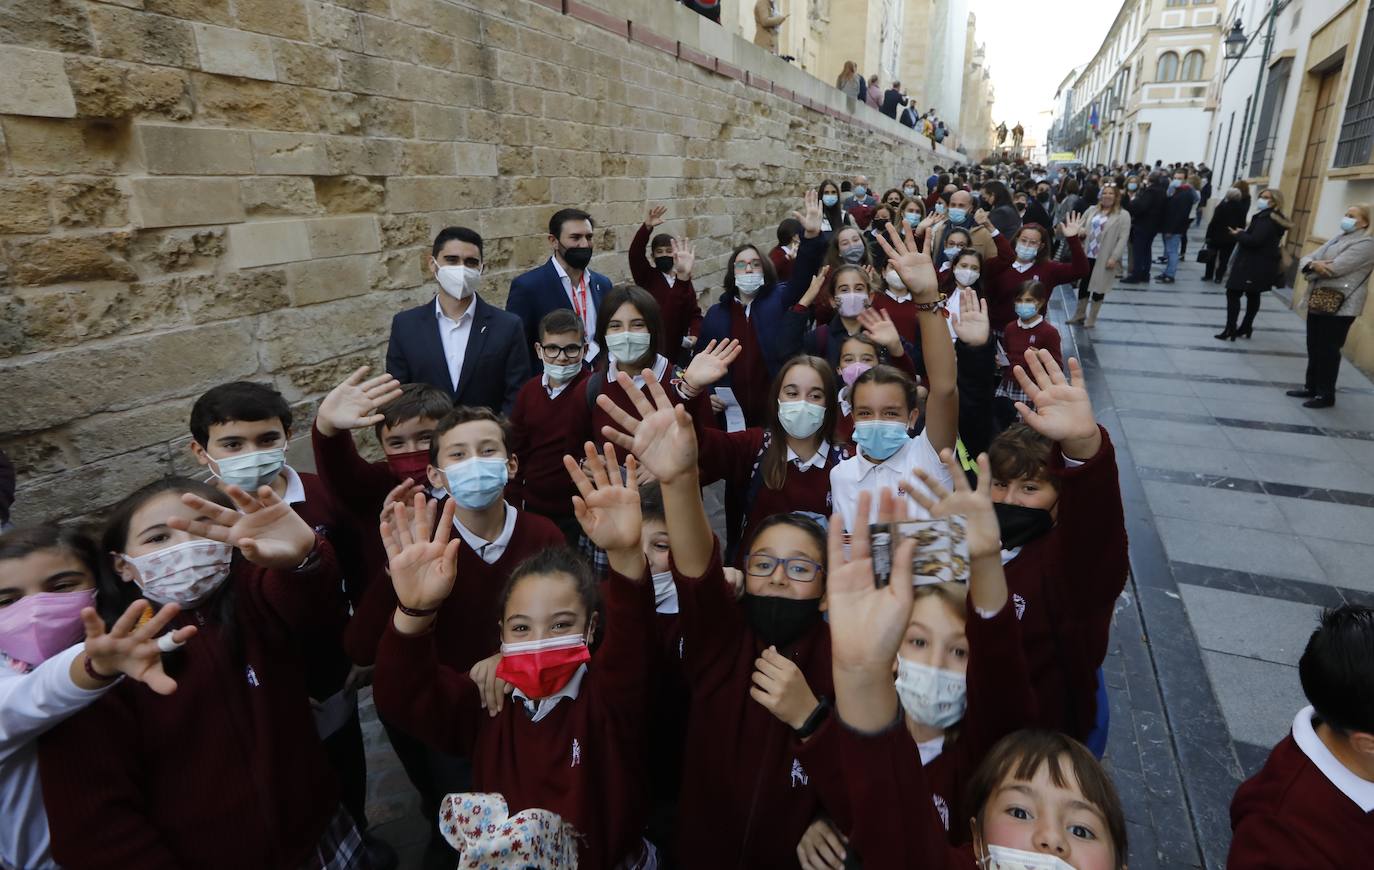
459 342
563 282
892 98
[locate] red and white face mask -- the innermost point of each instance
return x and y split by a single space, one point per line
541 667
185 574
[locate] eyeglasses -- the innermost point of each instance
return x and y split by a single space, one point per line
553 351
749 266
801 570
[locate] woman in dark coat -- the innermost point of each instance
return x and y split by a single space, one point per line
1257 262
1230 212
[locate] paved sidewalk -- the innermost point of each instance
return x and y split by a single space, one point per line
1247 513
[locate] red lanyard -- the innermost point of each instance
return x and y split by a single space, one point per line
579 299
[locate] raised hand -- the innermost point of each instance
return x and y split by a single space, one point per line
712 363
913 267
814 290
971 323
975 505
811 215
781 688
656 213
353 403
491 688
402 492
422 569
684 258
980 217
879 326
1072 225
132 649
607 506
264 528
1063 412
661 436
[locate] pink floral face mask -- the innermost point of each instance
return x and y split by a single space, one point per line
184 574
37 627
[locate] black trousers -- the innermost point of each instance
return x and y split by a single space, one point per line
1221 257
1252 304
1325 336
1142 249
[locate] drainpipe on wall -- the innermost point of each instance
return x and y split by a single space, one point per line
1259 82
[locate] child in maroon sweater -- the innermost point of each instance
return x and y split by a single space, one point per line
1058 500
571 738
746 797
1031 245
1037 800
228 771
1311 805
1029 331
669 279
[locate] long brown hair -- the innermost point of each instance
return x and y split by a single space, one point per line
774 464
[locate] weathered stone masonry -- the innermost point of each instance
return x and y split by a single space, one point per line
193 191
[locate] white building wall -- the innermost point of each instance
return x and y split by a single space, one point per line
948 35
1176 135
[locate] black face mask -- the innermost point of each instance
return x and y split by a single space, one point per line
1021 525
880 226
780 621
663 264
578 258
1042 196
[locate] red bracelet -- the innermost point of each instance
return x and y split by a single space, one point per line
416 612
96 675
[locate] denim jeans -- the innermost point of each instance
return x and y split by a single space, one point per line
1171 245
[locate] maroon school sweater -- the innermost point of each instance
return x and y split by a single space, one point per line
1290 815
732 456
903 314
1017 339
699 408
228 771
584 760
356 490
543 431
1000 701
1001 290
466 627
1064 586
677 302
748 373
746 797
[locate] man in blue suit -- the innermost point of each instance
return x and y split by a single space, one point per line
459 342
563 282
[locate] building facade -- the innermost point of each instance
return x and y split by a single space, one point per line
1295 111
1139 97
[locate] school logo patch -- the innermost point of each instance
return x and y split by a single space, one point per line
1020 604
942 808
799 776
576 753
252 677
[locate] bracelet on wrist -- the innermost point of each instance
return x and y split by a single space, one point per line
815 720
312 559
91 672
416 612
935 305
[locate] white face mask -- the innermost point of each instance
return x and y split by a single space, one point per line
184 574
931 696
894 281
665 592
460 282
1006 858
627 347
250 470
852 304
965 276
561 373
749 283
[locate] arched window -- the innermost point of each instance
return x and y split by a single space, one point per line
1192 66
1166 70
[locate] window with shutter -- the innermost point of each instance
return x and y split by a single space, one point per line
1267 132
1355 141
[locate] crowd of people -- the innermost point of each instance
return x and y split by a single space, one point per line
572 666
893 102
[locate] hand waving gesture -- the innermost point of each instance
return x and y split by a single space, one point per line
980 217
879 326
814 290
971 323
1072 225
1063 412
422 570
353 403
915 268
811 215
711 364
607 507
661 437
264 528
130 649
684 258
656 213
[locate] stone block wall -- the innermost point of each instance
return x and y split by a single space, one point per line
201 190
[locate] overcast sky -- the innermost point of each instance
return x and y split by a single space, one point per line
1032 44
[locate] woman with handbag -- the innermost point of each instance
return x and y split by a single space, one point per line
1108 228
1259 262
1337 283
1230 212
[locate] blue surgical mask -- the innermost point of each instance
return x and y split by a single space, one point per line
860 191
909 191
952 252
1026 310
911 218
800 419
829 200
956 214
879 439
1131 185
1263 204
939 208
1026 253
1348 224
627 347
562 373
249 471
476 483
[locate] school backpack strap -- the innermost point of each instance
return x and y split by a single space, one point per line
595 382
756 473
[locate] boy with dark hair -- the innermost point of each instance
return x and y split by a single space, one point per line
548 421
669 280
1310 805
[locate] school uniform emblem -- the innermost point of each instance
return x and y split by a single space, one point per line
576 753
799 776
253 677
1020 604
942 808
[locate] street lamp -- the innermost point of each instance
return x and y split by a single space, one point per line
1235 41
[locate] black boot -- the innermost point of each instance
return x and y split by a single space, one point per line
1252 304
1232 313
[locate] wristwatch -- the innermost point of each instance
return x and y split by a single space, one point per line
815 720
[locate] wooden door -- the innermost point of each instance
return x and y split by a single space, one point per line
1314 158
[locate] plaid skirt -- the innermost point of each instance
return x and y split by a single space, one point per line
340 846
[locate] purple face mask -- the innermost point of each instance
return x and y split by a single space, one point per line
37 627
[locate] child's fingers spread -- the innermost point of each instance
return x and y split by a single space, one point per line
153 626
216 512
579 477
90 621
200 528
157 680
1075 371
619 416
